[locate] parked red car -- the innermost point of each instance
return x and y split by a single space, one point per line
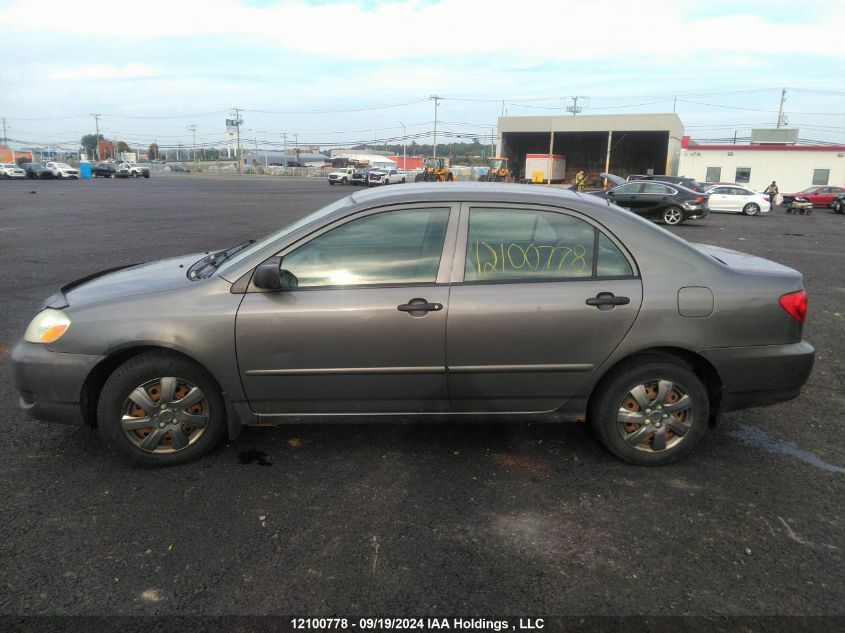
818 195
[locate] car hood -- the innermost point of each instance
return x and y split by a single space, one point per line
738 260
126 281
613 179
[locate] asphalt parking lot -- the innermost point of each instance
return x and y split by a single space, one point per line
408 520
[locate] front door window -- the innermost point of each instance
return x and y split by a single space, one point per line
395 247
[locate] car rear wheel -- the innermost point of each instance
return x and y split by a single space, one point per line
161 409
751 209
650 412
673 216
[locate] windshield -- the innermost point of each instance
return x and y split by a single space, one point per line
497 163
811 190
432 162
266 241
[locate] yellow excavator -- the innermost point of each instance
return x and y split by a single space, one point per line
498 172
435 170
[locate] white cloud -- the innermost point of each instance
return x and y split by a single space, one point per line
499 29
133 70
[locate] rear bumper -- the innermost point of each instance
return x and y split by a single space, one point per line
50 383
761 375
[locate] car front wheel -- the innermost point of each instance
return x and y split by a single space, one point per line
650 412
673 216
751 209
161 409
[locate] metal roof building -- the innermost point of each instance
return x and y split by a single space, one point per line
622 144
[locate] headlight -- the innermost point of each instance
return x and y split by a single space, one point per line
48 326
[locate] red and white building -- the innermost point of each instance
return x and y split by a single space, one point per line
794 167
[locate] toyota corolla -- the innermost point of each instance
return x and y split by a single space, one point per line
456 302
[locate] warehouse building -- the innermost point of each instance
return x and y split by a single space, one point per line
621 144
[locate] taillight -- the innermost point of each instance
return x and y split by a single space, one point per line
701 199
795 304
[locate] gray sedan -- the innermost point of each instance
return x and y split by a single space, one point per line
432 302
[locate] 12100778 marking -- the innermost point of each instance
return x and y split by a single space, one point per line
504 257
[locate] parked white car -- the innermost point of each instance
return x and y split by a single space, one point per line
10 170
62 170
737 199
386 177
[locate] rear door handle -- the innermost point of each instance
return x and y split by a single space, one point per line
419 307
607 301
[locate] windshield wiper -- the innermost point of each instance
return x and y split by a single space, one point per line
204 267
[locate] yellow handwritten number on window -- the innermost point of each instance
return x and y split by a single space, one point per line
504 258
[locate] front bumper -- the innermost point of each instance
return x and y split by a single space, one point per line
50 383
760 375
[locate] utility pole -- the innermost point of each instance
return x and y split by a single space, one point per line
97 135
574 109
781 118
5 140
404 148
238 122
285 149
436 104
193 128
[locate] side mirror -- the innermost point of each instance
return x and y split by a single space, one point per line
610 193
268 274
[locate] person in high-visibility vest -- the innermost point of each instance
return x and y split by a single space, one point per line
773 193
580 180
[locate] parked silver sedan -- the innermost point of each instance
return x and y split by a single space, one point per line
470 301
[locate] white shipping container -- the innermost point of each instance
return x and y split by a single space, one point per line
540 163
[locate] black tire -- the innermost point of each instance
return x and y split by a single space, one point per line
343 181
449 177
146 175
751 209
673 216
840 209
139 373
134 174
331 182
614 403
418 178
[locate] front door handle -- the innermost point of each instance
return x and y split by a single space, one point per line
419 307
607 301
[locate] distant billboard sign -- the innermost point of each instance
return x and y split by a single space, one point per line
232 125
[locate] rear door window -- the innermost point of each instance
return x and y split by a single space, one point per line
534 245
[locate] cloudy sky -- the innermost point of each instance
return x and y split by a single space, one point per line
331 72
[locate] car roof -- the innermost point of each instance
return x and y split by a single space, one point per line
471 192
